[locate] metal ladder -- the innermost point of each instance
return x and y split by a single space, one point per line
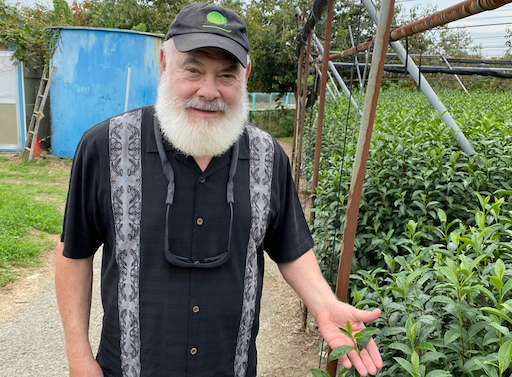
37 115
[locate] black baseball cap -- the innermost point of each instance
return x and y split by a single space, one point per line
201 25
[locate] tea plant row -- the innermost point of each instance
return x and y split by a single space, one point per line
434 238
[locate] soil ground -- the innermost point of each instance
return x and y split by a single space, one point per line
32 341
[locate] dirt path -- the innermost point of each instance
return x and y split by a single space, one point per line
32 341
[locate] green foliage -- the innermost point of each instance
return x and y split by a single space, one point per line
30 209
278 123
23 30
272 29
434 236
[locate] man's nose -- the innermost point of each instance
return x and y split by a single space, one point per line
208 88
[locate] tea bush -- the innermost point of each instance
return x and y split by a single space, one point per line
434 237
414 167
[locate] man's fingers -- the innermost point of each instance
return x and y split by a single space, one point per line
374 353
366 362
358 363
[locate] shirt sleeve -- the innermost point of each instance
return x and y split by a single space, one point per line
84 226
288 236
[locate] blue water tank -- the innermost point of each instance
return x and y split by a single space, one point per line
99 73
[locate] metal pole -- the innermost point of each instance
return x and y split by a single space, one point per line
331 66
335 72
303 112
456 77
128 77
363 148
425 86
355 57
456 12
298 109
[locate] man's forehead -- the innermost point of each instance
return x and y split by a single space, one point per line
212 53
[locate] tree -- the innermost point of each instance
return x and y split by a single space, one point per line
23 29
272 27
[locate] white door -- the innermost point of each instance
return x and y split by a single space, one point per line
11 104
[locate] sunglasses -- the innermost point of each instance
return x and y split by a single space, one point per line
177 260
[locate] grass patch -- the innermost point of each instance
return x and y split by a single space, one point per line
31 208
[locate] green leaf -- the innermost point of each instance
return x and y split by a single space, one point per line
438 373
415 360
496 281
507 287
499 269
450 275
450 336
405 365
410 327
339 352
505 354
392 331
442 215
319 373
400 347
368 331
432 356
349 328
497 313
426 347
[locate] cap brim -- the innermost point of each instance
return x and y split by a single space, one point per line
195 41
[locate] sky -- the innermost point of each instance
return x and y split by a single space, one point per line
491 35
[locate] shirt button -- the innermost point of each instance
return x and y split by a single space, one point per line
200 221
193 351
195 309
202 180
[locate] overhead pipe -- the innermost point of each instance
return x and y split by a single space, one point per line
424 85
456 12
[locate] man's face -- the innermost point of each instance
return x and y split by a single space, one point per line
202 100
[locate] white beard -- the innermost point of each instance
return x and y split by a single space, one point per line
199 137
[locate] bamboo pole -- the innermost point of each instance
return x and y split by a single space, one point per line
361 158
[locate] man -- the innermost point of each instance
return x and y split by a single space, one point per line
185 196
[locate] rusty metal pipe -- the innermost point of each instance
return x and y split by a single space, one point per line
456 12
361 47
321 104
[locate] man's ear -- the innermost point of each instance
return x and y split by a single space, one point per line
162 62
247 72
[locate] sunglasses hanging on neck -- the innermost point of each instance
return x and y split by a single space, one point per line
177 260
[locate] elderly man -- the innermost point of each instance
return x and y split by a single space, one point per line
184 196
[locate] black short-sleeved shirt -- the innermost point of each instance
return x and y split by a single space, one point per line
163 320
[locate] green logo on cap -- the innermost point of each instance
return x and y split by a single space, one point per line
218 19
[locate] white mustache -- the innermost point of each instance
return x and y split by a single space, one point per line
214 105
